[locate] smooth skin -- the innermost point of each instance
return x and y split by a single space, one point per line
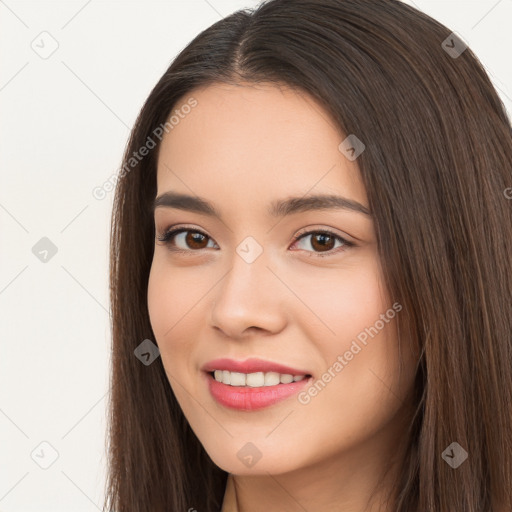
242 147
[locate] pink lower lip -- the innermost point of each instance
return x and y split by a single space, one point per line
252 399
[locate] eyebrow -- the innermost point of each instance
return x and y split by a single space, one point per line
278 208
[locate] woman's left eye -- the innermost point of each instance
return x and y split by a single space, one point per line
322 240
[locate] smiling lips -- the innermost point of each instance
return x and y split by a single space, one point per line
252 384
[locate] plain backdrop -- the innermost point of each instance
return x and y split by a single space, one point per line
73 77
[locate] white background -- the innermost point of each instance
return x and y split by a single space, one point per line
64 122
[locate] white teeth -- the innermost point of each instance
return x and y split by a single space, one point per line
255 380
236 379
286 378
272 379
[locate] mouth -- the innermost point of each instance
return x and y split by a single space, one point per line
253 391
255 379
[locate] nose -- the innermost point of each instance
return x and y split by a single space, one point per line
249 299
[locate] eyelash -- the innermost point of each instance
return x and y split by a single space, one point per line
171 232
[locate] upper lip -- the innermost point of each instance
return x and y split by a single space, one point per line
251 365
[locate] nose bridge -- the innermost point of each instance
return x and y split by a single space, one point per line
247 295
248 272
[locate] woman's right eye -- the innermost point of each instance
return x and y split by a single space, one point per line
189 239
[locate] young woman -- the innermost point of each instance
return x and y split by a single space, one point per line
311 278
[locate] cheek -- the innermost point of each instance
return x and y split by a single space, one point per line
159 302
170 298
167 308
175 315
360 355
344 303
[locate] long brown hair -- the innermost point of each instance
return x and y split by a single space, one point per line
436 168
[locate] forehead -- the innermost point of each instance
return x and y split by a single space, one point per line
260 140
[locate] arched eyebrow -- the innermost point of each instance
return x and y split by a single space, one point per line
277 208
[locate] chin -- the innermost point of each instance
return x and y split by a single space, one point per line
246 458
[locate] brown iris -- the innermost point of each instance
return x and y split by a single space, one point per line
193 237
322 241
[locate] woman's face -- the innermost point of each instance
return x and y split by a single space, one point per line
251 284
